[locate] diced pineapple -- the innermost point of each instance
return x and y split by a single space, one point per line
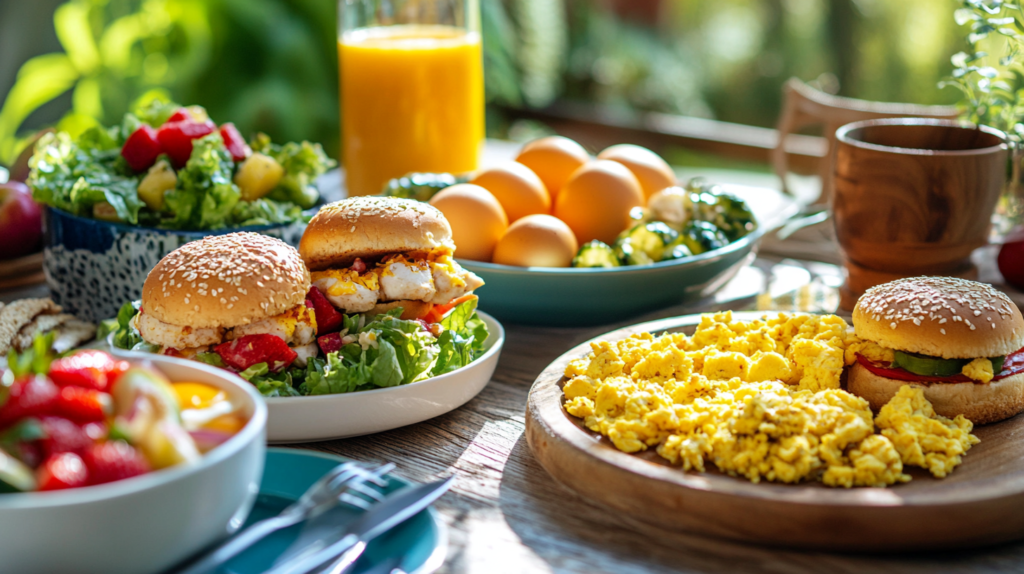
257 176
160 179
105 211
198 113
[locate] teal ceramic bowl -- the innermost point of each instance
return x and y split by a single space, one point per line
556 296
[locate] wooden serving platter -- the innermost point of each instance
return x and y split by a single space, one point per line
27 270
980 503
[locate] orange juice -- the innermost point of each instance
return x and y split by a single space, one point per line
412 99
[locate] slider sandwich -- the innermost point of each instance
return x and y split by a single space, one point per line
960 340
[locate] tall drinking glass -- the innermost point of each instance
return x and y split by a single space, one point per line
412 89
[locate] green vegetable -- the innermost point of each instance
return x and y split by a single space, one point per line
701 236
650 238
936 366
677 250
205 195
76 175
630 254
280 384
34 360
420 186
595 254
727 212
302 162
88 177
125 335
14 475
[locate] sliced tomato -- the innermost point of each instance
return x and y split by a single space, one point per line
1013 365
249 350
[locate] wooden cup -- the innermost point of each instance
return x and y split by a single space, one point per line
914 197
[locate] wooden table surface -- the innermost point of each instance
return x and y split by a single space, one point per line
505 514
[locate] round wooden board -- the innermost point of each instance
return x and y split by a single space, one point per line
978 504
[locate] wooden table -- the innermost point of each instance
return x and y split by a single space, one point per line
505 514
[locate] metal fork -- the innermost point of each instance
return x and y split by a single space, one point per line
326 493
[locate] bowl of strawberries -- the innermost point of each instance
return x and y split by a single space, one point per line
111 466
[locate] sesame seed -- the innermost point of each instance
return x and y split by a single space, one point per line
943 331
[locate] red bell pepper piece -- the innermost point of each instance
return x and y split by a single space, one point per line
249 350
141 148
328 319
179 116
176 138
330 343
233 140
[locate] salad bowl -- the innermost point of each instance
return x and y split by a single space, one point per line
146 523
93 266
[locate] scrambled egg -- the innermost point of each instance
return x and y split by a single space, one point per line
759 400
922 437
979 370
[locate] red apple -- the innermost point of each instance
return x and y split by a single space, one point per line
21 221
1011 258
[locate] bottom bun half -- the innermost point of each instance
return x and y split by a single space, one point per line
979 403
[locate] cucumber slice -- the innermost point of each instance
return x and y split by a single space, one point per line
997 364
929 366
651 238
630 254
676 251
596 254
702 236
14 475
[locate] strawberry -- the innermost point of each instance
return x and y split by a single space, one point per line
30 396
63 435
328 319
60 471
113 460
330 342
89 369
84 405
249 350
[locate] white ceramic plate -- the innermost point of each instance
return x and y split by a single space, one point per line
325 417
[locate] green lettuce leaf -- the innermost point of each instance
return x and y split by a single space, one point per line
462 340
205 195
125 335
75 175
269 384
303 162
156 111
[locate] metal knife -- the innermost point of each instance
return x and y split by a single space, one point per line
381 517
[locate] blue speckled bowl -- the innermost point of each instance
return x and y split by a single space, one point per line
92 267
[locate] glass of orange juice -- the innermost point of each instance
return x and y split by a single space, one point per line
412 89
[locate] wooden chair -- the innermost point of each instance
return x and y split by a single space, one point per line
806 106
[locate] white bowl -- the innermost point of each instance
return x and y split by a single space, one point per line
147 523
325 417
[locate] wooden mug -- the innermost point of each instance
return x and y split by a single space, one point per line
914 197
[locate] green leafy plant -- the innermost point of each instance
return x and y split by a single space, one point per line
114 53
992 86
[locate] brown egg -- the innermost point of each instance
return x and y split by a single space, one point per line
519 191
537 241
653 172
553 159
596 201
477 219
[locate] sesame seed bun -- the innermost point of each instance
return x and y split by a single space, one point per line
980 403
940 317
225 281
370 228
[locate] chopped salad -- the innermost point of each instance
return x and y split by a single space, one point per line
172 167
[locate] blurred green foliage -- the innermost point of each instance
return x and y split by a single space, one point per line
271 65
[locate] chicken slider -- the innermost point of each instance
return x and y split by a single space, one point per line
241 296
960 340
373 254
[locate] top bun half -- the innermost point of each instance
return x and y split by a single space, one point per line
940 317
370 228
225 281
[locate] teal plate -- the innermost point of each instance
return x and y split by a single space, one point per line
418 546
583 297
